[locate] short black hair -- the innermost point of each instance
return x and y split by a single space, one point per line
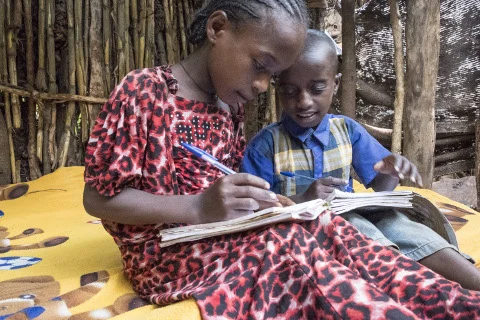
242 10
316 38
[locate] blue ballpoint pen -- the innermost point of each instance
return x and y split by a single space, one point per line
292 175
345 188
208 158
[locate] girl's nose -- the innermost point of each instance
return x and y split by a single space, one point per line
261 82
304 100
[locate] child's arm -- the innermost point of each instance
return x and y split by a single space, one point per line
230 197
391 170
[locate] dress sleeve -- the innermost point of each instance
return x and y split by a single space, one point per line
366 151
118 143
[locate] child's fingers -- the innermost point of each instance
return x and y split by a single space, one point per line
254 193
331 181
414 176
379 166
285 201
325 189
246 179
249 204
402 167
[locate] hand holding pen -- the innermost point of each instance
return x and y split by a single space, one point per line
233 195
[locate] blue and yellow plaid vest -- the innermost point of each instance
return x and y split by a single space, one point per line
290 154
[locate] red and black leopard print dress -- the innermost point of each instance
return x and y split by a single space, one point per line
312 270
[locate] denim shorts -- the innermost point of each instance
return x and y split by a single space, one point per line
394 229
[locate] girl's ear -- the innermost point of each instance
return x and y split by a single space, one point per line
217 23
337 82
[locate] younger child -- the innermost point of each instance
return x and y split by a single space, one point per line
310 142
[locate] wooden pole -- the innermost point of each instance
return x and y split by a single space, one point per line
33 165
399 72
41 81
50 154
66 136
159 40
86 38
97 87
59 97
14 23
181 27
80 70
271 101
477 160
423 47
150 35
454 167
126 37
120 32
107 42
461 154
349 67
4 77
168 33
136 41
188 19
142 33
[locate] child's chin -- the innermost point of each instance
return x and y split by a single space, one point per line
307 124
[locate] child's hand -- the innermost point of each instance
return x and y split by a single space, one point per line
323 187
234 196
399 167
284 201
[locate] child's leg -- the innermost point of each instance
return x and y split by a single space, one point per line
453 266
422 244
368 229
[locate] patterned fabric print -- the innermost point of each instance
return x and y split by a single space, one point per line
337 157
302 271
287 271
136 143
289 155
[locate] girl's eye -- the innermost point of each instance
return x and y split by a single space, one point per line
257 65
288 91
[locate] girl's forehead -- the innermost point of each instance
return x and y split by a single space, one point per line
276 35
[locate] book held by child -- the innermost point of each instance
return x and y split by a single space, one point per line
416 207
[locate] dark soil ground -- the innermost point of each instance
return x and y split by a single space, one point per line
462 190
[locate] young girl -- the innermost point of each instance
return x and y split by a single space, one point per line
139 179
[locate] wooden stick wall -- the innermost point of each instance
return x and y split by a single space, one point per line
59 59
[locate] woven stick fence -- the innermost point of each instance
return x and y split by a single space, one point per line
59 60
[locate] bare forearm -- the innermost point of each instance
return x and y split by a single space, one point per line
136 207
384 182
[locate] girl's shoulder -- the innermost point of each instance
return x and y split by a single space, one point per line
143 78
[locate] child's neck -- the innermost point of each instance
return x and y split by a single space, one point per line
196 78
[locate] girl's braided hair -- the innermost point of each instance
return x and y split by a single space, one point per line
241 10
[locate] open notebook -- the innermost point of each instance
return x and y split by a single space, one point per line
413 205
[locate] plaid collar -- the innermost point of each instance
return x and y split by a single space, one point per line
322 133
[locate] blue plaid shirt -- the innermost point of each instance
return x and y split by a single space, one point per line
332 149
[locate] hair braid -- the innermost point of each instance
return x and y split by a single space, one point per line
241 10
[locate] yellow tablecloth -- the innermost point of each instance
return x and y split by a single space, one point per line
57 262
